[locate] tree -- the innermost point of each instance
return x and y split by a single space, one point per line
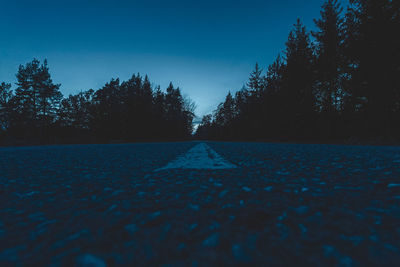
225 112
5 96
272 100
372 57
26 95
107 111
274 76
75 111
206 121
329 63
36 98
49 95
146 107
205 128
159 112
345 84
298 80
256 81
189 108
329 67
173 112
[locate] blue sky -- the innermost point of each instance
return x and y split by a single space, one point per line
205 47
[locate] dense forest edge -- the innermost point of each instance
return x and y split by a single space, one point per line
337 84
129 111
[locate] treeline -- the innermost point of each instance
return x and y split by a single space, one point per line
339 82
134 110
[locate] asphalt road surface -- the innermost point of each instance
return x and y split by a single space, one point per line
200 204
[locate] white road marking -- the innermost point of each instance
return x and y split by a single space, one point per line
200 156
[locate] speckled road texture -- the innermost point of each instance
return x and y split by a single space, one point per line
282 204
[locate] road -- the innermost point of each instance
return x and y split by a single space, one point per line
200 204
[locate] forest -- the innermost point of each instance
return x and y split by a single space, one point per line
134 110
338 83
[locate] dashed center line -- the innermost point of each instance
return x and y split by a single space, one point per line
200 156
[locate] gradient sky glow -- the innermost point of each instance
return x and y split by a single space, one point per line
205 47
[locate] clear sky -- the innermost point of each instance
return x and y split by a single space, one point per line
205 47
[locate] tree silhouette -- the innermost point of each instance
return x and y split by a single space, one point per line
205 128
374 57
5 106
298 80
49 96
341 82
36 100
273 99
329 65
119 111
256 83
76 116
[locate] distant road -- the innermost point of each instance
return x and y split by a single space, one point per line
199 204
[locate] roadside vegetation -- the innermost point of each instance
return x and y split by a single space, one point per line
339 82
121 111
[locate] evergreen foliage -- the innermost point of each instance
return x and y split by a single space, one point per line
118 112
340 82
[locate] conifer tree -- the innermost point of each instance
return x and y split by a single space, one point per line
108 122
49 95
256 81
36 97
75 111
272 100
373 55
225 113
298 80
5 106
329 63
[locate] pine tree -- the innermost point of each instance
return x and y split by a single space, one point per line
173 112
49 95
330 61
36 97
159 112
5 106
372 57
225 112
146 107
272 101
75 111
241 97
298 80
330 69
107 117
205 128
26 96
274 76
256 81
179 114
131 92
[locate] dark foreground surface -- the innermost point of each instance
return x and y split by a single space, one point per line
104 205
